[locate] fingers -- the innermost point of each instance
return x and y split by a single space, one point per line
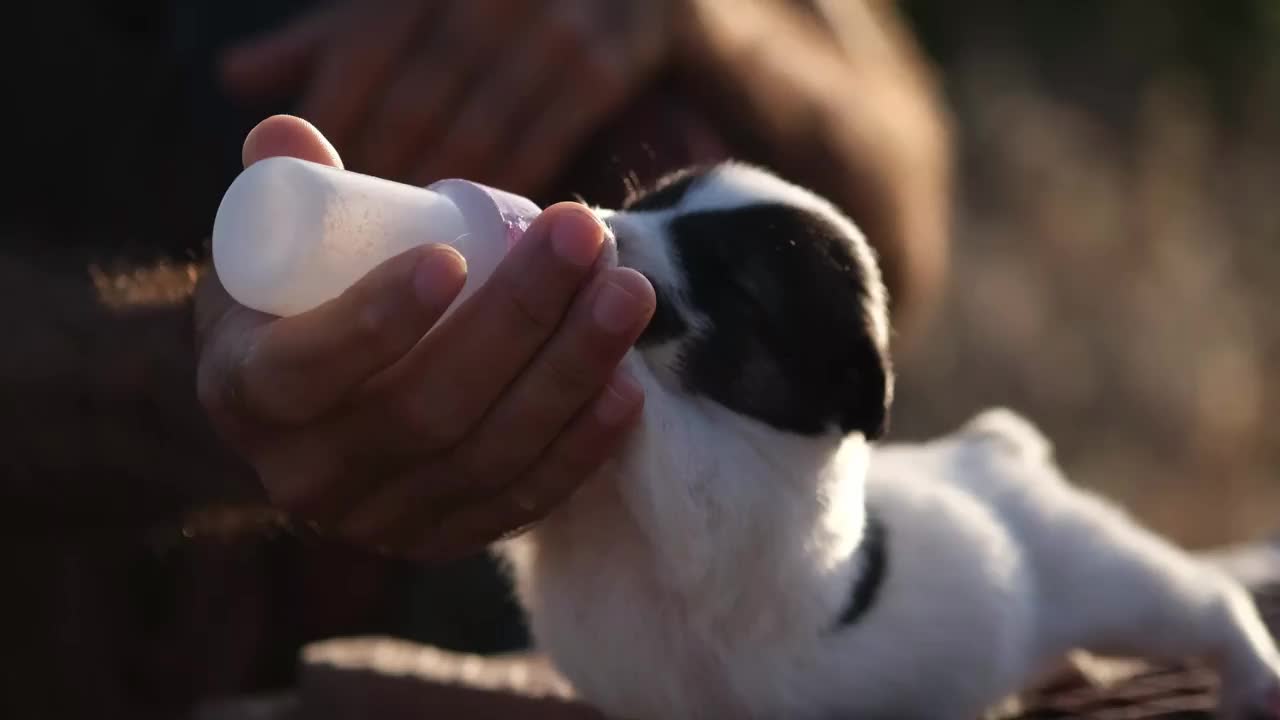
212 306
289 136
410 515
604 323
427 400
563 379
311 477
223 328
442 389
299 367
457 457
289 370
226 331
592 438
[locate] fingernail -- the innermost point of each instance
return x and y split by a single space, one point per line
619 399
615 310
576 237
436 277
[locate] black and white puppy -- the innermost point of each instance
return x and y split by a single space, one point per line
749 554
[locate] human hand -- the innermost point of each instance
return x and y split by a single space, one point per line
430 447
495 91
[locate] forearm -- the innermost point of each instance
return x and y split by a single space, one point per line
837 102
97 400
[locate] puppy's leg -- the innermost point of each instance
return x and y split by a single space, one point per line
1108 585
1128 592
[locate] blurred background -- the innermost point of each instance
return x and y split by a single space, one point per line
1115 249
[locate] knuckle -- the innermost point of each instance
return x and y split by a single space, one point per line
368 324
374 331
567 377
220 379
434 428
600 351
236 397
414 417
533 310
260 393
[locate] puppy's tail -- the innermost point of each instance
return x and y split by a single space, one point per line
1010 433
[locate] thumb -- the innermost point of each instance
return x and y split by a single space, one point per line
289 136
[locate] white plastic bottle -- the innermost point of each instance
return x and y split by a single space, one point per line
291 234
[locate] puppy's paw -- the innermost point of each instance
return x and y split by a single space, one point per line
1258 701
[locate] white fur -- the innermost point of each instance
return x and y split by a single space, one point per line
701 573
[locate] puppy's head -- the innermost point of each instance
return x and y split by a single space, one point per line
770 302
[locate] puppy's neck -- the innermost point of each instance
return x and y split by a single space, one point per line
724 504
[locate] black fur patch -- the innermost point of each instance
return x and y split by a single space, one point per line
873 556
789 343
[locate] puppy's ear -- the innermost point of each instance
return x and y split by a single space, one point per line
867 393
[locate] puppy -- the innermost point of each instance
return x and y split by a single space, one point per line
749 554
